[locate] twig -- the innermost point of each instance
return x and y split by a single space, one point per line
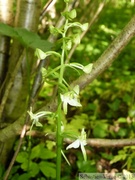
16 152
46 7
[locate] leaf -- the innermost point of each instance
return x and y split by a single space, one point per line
65 107
69 14
44 45
76 38
31 39
122 120
68 44
38 124
77 65
33 169
118 158
72 14
100 130
48 169
84 27
22 157
87 69
76 89
7 30
40 54
25 176
54 30
41 152
25 37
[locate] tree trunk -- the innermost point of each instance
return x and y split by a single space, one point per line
16 87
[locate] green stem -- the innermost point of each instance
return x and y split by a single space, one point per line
59 119
59 111
59 144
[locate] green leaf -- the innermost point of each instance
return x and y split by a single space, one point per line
48 169
44 45
35 153
76 89
122 120
40 54
72 14
122 132
87 69
77 65
41 152
25 37
31 39
33 169
22 157
69 14
25 176
118 157
68 44
76 38
54 30
84 27
38 124
115 105
7 30
100 130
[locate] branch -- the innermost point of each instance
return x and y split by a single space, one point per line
110 54
94 142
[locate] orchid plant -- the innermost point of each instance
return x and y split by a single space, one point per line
66 94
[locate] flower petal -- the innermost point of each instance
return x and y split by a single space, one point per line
83 152
75 144
74 102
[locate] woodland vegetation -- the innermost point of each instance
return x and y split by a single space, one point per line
67 88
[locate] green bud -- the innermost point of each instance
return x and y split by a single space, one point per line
84 27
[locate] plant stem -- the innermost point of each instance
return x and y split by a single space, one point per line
59 111
59 144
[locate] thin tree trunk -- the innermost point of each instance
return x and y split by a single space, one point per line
6 16
19 70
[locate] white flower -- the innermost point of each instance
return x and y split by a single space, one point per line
71 98
35 117
81 141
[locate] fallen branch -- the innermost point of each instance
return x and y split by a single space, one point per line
94 142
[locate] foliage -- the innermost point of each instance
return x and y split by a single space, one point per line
27 38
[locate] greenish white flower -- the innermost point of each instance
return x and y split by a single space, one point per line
71 98
35 117
80 142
